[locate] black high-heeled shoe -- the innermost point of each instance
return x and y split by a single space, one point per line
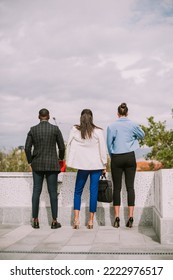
117 222
130 222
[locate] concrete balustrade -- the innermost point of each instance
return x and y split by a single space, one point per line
154 201
163 205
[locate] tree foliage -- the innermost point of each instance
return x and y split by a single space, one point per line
160 140
13 161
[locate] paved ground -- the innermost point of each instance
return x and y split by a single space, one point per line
103 242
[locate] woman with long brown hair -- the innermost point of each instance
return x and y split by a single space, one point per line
86 151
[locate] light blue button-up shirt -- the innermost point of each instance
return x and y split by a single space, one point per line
123 136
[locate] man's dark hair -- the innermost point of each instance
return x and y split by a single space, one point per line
43 112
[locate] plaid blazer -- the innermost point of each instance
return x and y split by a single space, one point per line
41 147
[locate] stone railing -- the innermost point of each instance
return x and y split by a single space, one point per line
153 203
163 205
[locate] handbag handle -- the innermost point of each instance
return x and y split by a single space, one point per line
103 176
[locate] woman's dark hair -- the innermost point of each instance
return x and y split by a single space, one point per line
86 126
123 109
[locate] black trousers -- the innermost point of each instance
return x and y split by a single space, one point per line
51 178
123 163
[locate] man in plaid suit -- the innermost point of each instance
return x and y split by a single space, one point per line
41 152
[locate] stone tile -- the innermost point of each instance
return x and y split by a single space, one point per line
14 236
61 235
39 257
31 240
1 215
103 242
149 231
134 257
47 247
73 252
109 249
11 256
20 231
107 235
161 257
130 236
77 249
5 228
12 215
70 257
152 242
20 247
82 238
102 257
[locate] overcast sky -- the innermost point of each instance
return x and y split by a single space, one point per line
67 55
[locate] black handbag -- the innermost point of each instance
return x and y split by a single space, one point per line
105 190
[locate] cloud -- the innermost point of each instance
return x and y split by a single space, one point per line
69 55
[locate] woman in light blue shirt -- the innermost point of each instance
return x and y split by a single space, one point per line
122 141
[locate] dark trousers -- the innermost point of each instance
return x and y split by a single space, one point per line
51 178
123 163
82 176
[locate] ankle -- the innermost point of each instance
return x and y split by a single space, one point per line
76 222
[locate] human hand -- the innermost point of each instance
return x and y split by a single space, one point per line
104 172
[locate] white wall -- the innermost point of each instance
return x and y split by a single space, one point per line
154 201
16 195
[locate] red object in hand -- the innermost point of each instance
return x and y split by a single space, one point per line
62 164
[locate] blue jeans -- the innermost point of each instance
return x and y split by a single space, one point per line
81 179
51 178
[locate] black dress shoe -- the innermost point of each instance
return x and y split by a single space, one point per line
55 225
35 224
117 222
130 222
